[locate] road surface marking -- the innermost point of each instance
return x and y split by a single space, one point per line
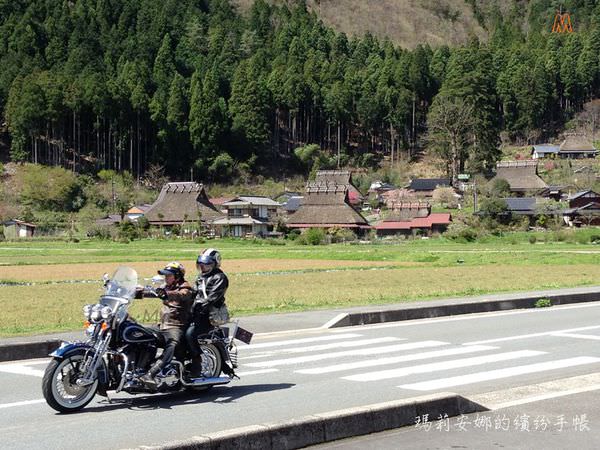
397 359
20 369
460 380
302 341
578 336
355 352
444 365
527 336
23 403
521 395
315 348
255 372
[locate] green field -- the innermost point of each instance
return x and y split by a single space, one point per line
269 278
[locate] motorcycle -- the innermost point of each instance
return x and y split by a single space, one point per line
119 350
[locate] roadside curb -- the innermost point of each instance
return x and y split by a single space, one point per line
427 312
28 350
329 426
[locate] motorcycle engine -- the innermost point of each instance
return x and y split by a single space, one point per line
169 377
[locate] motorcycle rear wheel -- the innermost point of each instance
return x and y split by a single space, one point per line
59 385
211 366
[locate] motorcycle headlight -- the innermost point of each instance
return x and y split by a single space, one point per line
87 310
96 314
106 312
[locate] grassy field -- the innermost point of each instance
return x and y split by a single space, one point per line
43 289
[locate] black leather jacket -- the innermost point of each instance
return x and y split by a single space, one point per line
210 291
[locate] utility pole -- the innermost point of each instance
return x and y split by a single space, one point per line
474 196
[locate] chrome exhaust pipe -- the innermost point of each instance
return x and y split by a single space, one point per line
212 381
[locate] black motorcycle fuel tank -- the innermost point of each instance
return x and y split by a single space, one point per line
136 334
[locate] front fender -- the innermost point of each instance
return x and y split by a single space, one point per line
69 348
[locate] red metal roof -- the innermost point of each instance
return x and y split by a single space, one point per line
418 222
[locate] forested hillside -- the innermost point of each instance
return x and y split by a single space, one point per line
195 84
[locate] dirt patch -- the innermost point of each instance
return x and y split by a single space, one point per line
94 271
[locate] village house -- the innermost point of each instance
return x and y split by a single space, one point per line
542 151
248 216
343 178
424 187
521 176
18 229
327 205
574 146
584 209
183 203
395 225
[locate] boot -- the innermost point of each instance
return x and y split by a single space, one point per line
148 378
196 367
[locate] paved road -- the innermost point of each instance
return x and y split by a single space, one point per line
497 359
559 423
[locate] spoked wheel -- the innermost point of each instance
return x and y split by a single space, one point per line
60 387
211 365
211 361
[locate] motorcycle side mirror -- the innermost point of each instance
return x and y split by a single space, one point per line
158 281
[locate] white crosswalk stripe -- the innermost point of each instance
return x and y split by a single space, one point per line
356 352
316 348
397 359
445 365
21 369
335 337
497 374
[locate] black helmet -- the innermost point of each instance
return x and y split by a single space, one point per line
173 268
209 256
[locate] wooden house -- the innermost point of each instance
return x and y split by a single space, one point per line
248 216
521 176
18 229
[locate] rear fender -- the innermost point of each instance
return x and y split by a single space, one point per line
67 349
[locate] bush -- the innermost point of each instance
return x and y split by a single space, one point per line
595 239
341 235
99 232
543 303
312 236
128 231
460 232
532 239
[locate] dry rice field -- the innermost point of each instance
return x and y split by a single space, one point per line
94 271
55 307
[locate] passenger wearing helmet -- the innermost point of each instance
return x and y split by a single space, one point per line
177 297
211 285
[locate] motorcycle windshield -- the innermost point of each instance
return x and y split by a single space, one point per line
122 283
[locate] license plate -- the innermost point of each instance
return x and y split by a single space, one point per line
243 335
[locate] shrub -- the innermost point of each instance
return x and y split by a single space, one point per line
595 239
532 239
99 232
460 232
543 303
128 231
312 236
341 235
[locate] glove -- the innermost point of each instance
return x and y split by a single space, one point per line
162 293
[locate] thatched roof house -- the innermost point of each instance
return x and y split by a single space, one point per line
182 202
326 205
577 146
521 176
340 177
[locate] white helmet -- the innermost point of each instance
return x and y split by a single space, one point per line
210 256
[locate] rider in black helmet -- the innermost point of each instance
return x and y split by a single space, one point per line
211 285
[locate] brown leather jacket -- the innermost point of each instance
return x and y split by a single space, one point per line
176 309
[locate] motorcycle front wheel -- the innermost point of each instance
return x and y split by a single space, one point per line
60 388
